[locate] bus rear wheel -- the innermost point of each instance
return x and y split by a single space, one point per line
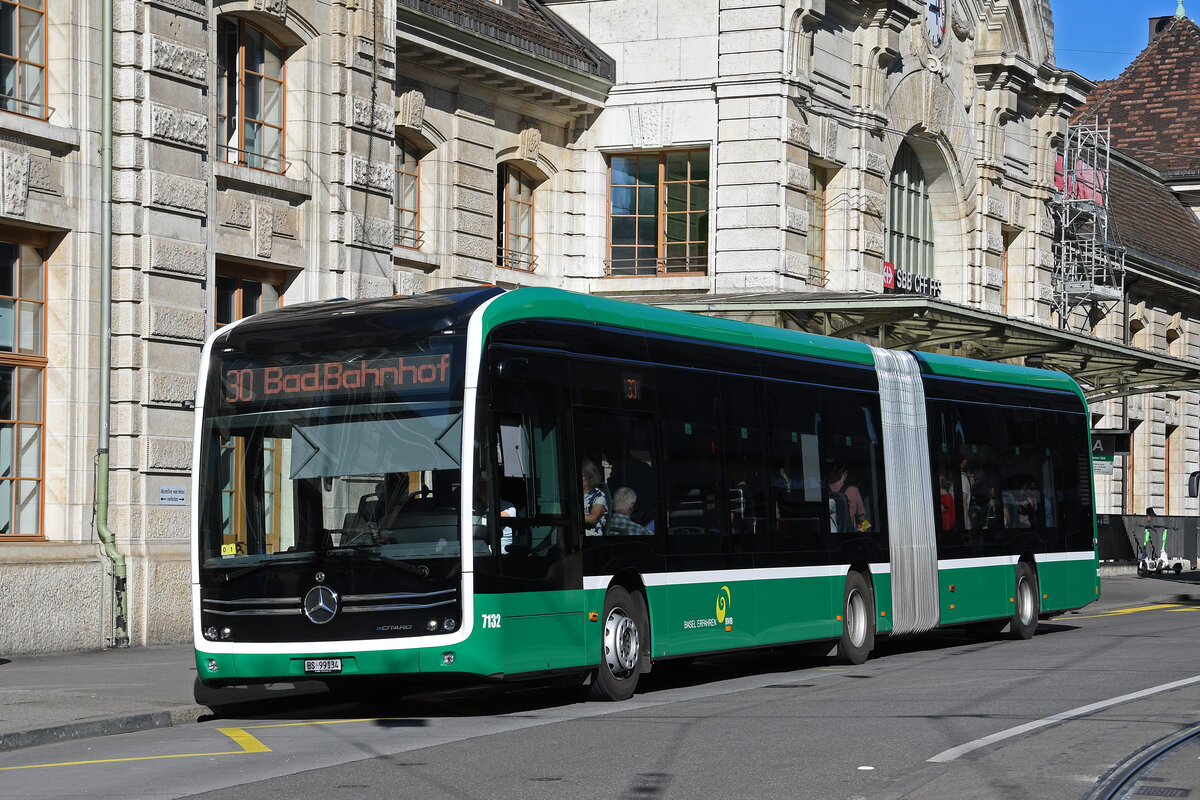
1025 615
625 628
858 621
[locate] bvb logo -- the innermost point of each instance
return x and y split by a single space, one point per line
724 600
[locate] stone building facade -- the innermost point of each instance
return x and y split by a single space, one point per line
280 151
1148 114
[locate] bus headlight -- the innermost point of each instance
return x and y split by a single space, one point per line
226 633
449 624
210 633
431 626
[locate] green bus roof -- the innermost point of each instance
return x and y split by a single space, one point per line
561 304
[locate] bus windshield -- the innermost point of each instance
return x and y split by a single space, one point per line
314 456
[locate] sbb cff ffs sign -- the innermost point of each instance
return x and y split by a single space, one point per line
899 280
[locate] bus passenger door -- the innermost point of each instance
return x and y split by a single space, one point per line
540 569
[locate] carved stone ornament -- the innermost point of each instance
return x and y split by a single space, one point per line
278 8
873 243
410 110
15 168
264 229
961 25
650 125
175 59
995 208
371 116
530 144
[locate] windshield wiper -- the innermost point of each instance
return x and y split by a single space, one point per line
372 551
265 561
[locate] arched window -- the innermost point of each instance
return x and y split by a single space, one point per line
909 221
250 83
514 219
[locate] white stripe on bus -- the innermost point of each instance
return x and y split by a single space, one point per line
784 573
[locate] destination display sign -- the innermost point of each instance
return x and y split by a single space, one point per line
325 380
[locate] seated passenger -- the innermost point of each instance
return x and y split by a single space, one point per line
840 519
595 500
624 503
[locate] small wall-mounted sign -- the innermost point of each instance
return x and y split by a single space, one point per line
172 495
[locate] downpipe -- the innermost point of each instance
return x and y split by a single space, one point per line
120 636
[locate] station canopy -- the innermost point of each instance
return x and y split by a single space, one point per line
1104 369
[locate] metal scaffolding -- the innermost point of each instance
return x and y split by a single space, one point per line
1089 260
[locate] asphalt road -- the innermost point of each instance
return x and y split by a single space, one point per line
946 715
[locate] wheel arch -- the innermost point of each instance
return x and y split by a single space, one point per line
631 581
863 566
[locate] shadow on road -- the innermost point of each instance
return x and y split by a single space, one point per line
403 703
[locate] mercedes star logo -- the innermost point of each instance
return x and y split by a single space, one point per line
320 604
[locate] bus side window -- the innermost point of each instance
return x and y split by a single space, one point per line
794 468
692 467
528 456
745 463
515 458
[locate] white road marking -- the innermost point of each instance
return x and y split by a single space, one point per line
954 752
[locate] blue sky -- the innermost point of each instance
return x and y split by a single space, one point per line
1099 38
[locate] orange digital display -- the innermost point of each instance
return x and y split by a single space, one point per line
631 386
398 374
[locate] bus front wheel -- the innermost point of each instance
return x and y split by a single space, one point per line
625 626
858 621
1025 615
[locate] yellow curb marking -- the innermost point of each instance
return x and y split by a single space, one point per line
240 737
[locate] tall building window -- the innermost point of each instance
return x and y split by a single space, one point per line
1175 478
909 221
22 389
243 291
514 220
818 275
1010 240
240 293
250 84
23 57
408 194
658 213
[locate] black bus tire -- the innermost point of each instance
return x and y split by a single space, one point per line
858 620
1027 602
621 644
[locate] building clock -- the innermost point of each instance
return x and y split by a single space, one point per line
935 22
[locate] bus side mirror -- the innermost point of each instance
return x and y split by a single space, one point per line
1194 485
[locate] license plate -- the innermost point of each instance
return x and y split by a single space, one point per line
323 665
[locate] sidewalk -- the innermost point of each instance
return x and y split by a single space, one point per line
48 698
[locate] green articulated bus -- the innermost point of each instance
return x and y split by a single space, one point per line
489 484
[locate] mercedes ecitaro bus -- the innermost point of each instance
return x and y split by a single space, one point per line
398 488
